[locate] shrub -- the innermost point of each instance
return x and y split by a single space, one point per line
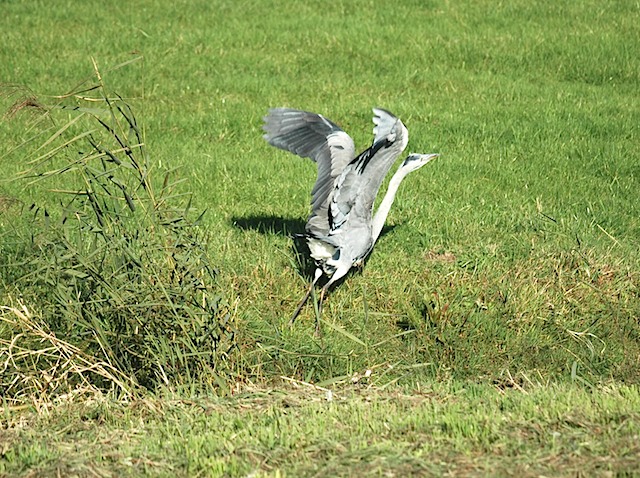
116 269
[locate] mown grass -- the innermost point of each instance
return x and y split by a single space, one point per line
447 429
513 255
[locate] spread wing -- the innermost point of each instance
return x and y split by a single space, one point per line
384 123
357 186
311 135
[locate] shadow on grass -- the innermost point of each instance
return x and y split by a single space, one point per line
282 226
293 228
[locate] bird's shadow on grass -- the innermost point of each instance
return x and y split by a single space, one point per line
293 228
282 226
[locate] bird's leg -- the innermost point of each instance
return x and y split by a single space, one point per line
317 275
301 304
319 311
322 294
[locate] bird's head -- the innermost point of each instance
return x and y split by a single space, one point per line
415 161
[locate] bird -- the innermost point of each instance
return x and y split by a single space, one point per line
342 229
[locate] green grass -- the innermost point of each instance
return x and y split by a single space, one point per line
447 429
515 254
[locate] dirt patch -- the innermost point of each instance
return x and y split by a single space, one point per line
440 256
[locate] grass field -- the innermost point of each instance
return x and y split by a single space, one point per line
495 328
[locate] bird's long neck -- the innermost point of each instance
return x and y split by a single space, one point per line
385 206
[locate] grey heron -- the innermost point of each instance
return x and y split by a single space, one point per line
342 228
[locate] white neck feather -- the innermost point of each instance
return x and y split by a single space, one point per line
385 206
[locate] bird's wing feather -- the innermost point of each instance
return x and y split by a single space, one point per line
311 135
359 182
350 184
303 133
384 123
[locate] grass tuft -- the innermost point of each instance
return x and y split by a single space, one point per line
37 366
118 268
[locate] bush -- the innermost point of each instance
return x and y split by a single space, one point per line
116 269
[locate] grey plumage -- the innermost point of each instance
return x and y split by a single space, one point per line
341 229
311 135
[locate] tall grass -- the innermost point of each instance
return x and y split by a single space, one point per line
115 275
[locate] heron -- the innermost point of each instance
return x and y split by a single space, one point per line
342 229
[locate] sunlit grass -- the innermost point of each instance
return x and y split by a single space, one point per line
515 254
516 427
